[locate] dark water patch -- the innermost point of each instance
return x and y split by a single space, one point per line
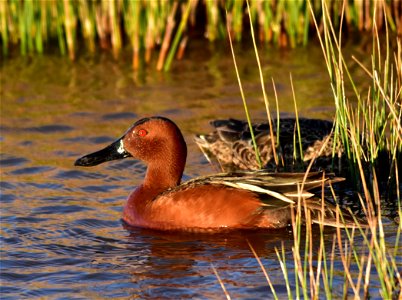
132 164
53 293
120 199
120 290
47 185
170 112
57 198
96 277
7 198
9 289
36 276
168 291
112 179
88 250
78 174
32 170
17 263
11 276
81 114
119 116
99 188
30 232
84 140
86 234
77 139
11 161
24 220
65 154
96 223
5 185
6 129
25 255
10 241
51 128
26 143
60 209
101 140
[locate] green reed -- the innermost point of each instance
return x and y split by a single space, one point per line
365 130
256 151
313 264
371 127
148 26
314 278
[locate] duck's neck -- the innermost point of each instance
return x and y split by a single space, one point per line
159 178
165 169
162 176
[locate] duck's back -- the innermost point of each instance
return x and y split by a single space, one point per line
231 144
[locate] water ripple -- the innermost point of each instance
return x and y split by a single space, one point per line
53 128
118 116
99 188
60 209
78 174
60 234
32 170
11 161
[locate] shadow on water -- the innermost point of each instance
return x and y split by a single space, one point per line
61 235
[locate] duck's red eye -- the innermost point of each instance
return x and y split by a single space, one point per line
142 132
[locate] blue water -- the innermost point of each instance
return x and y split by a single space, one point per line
61 234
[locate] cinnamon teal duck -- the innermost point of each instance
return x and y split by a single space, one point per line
230 144
238 200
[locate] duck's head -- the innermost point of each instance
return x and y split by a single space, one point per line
154 140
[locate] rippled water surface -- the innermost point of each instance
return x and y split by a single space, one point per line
61 234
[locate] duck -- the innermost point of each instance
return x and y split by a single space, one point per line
236 200
230 145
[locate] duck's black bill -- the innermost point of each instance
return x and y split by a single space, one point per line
112 152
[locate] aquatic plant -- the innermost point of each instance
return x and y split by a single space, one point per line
366 130
371 129
149 26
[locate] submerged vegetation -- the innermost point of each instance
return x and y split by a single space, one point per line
165 26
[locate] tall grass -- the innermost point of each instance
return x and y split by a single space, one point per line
371 127
366 130
164 25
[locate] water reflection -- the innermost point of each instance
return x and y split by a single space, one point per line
61 235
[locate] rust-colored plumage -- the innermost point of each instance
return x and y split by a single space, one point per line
244 200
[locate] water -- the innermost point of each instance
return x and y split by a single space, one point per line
61 234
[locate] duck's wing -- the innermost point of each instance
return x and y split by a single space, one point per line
286 187
278 190
284 190
328 214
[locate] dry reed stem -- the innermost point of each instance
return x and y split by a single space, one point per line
262 268
257 153
263 87
168 36
220 282
282 263
69 22
182 48
277 118
297 120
